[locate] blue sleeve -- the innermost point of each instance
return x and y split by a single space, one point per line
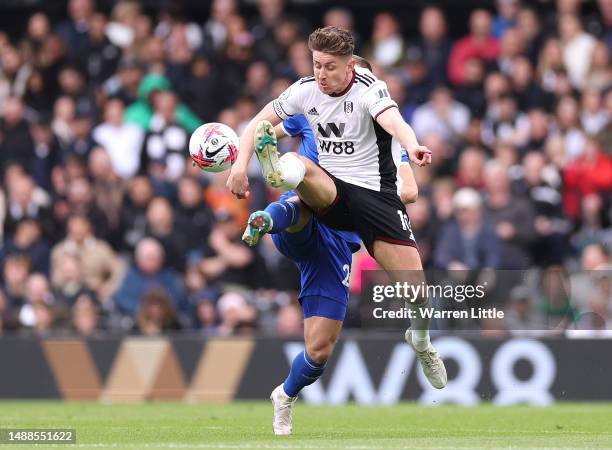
294 125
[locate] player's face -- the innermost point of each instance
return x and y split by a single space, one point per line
332 72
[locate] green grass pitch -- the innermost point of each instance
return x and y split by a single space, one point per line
247 425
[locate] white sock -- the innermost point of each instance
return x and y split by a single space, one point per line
293 169
419 325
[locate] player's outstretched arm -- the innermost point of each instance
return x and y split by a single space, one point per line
393 123
238 181
410 190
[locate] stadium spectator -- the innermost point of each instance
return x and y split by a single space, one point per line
262 31
15 271
37 292
47 151
236 315
507 17
215 28
165 143
387 46
506 213
505 123
134 212
554 299
145 272
592 227
200 91
577 46
74 31
85 316
540 184
469 242
569 127
17 144
69 285
122 141
156 313
28 242
588 174
8 321
123 23
102 269
524 87
229 261
593 117
289 321
470 168
539 128
441 115
14 75
80 201
434 44
521 315
194 213
478 44
72 83
108 191
471 92
26 201
141 111
586 285
598 77
37 33
172 232
510 47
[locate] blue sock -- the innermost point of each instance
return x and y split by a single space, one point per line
284 214
304 372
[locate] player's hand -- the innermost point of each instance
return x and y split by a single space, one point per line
238 182
420 155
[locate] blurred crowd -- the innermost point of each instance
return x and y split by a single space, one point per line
106 227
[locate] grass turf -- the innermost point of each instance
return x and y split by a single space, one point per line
246 425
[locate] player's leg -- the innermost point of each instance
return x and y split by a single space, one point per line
325 262
291 171
320 336
286 214
403 264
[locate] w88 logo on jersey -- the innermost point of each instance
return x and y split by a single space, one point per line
337 148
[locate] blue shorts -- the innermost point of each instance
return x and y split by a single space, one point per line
324 259
315 305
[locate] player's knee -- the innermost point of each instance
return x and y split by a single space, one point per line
320 350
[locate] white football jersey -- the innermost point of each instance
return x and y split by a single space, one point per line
352 146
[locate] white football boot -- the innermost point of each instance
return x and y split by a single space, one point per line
432 364
283 404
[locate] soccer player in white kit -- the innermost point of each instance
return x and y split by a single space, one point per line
359 132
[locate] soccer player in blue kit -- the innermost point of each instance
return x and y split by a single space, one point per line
323 256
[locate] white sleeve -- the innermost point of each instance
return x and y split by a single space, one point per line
291 102
377 99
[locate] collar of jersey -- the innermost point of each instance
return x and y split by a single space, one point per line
340 94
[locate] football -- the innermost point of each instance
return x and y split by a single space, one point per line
213 147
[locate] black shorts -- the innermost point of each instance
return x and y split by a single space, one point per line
373 215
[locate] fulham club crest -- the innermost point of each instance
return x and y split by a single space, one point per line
348 107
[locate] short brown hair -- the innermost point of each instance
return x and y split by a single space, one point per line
362 62
333 40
